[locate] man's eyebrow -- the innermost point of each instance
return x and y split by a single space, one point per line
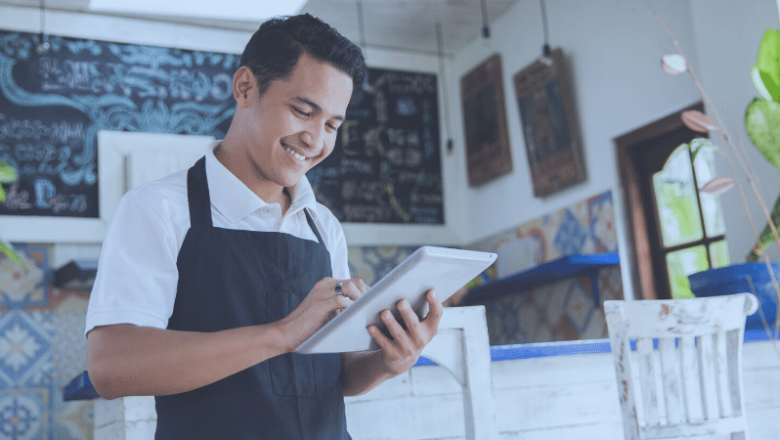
313 105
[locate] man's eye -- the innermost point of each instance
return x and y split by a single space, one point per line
301 112
331 126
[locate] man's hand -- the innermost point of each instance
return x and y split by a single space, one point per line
319 307
401 350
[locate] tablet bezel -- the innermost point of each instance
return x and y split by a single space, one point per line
347 331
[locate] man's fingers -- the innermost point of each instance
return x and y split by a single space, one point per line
383 341
340 302
351 290
435 310
411 320
395 329
361 285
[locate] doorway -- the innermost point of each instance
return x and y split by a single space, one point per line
676 229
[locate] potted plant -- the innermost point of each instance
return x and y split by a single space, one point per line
762 121
8 174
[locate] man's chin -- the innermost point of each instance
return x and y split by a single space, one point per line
290 181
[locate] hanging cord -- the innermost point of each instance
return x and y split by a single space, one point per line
43 46
485 20
362 29
546 46
442 74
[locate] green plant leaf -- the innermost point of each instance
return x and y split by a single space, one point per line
769 56
762 121
764 84
8 173
2 194
9 252
766 238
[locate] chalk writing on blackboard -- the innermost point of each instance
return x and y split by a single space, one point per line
386 166
52 106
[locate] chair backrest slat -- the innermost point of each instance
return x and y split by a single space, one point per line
694 407
671 365
644 348
733 347
709 386
722 375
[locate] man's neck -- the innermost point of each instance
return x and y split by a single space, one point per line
261 187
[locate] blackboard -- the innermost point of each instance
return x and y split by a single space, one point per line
52 106
386 167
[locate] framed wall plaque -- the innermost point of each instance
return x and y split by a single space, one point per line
484 118
552 140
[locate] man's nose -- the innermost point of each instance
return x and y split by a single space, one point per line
312 136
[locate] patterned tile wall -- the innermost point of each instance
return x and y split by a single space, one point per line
558 311
373 262
562 310
588 227
42 348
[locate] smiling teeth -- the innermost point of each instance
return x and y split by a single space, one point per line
296 155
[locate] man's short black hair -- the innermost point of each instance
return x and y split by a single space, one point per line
274 50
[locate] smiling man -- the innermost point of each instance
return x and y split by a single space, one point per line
210 278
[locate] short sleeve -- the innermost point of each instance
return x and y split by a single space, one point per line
137 275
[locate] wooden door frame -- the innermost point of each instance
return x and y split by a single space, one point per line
642 216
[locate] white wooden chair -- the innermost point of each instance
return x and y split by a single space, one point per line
690 383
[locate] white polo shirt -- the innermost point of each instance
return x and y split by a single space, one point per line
137 275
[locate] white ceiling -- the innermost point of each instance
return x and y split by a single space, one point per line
389 24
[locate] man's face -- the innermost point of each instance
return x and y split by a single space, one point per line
293 126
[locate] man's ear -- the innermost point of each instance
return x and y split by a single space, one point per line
243 81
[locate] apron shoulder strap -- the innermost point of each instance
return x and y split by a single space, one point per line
198 195
313 226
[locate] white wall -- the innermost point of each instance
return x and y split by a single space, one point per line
613 50
217 40
727 35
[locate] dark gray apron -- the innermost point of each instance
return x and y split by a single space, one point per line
233 278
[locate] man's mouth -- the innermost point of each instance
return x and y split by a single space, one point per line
293 153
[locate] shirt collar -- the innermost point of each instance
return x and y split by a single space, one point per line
235 201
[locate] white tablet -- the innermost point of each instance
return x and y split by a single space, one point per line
442 269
